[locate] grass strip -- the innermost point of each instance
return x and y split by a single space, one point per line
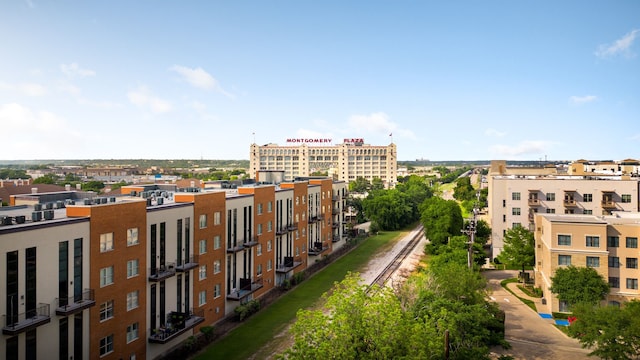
527 302
259 329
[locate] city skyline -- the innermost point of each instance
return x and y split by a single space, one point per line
452 81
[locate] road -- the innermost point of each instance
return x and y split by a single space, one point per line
530 336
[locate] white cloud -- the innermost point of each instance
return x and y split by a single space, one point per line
202 111
143 98
527 147
620 46
199 78
494 133
29 89
74 69
378 123
583 99
69 88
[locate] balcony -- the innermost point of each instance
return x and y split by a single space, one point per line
317 249
570 202
282 230
187 264
14 325
288 265
177 324
534 202
335 211
234 248
247 287
162 272
251 243
292 227
75 304
608 203
335 225
335 198
335 238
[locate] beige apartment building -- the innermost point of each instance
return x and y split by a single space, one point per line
345 162
517 194
607 243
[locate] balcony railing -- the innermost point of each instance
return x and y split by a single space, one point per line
177 324
335 198
608 204
16 324
247 287
335 238
162 272
288 265
74 304
335 211
534 201
231 248
293 227
253 241
282 230
317 249
187 264
570 203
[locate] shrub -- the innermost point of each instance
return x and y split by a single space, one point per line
207 331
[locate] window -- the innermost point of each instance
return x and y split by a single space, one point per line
270 226
613 241
593 241
106 345
106 310
132 236
587 212
132 300
587 197
106 242
259 231
297 200
632 263
564 240
216 266
564 260
563 306
202 272
593 261
504 203
132 332
626 198
568 211
515 225
515 196
259 209
304 248
551 211
632 242
133 268
515 211
216 291
614 262
297 251
269 206
203 221
259 250
632 283
216 218
259 270
106 276
614 282
269 265
551 196
202 297
202 246
216 242
614 303
269 246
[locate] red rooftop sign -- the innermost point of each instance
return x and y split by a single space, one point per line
354 141
315 141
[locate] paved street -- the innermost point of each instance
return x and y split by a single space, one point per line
531 336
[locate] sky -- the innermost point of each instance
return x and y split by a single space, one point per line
443 80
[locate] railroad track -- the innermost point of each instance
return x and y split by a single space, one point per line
385 274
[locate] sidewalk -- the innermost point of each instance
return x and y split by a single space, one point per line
540 308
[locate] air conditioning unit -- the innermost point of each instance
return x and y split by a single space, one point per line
20 219
6 220
160 201
37 207
36 216
48 206
112 199
48 214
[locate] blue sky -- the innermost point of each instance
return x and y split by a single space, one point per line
451 80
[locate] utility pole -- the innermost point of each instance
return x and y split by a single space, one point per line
471 232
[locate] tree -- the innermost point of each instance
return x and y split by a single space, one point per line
577 285
613 333
518 247
359 185
93 186
441 220
388 208
464 190
49 178
377 184
483 232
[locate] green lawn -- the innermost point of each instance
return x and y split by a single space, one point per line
259 329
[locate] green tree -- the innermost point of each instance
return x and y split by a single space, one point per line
464 190
13 174
577 285
49 178
613 333
483 232
518 247
441 220
377 184
93 185
388 208
359 185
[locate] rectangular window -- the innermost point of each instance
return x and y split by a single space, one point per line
202 246
216 267
587 197
259 209
551 211
515 225
269 265
626 198
614 262
106 242
593 241
202 272
106 345
106 276
515 196
614 282
216 291
515 211
216 218
259 231
132 332
551 196
259 250
133 268
564 240
269 206
269 226
106 310
587 212
202 297
632 263
613 241
269 245
203 221
132 300
632 242
259 269
564 260
593 261
132 236
216 242
632 283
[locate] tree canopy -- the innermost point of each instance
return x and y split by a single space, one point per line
519 247
441 219
359 185
577 285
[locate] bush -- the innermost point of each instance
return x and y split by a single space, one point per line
207 332
245 310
